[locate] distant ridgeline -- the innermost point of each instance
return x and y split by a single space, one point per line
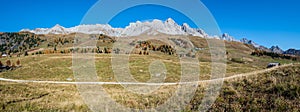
274 51
26 43
18 43
275 55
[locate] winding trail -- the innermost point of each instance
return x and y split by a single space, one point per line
149 84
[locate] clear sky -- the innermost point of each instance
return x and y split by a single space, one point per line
267 22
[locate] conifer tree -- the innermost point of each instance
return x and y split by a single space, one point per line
18 62
8 63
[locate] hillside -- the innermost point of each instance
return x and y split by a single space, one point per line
19 43
57 51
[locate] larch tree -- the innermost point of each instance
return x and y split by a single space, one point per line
18 62
8 63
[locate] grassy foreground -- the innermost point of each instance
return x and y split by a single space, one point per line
277 90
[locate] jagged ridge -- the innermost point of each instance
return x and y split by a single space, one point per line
154 27
169 27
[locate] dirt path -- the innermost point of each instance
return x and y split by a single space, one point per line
150 84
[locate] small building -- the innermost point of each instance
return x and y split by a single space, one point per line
270 65
4 55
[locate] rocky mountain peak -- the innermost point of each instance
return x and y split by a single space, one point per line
169 27
276 49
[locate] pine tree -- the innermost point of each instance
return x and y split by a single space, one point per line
1 64
105 50
26 53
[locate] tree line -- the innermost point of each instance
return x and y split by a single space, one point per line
146 46
274 55
9 65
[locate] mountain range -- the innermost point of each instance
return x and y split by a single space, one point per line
154 27
169 27
274 49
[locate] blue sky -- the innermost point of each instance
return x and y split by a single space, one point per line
267 22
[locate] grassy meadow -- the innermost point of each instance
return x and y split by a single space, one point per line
277 90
